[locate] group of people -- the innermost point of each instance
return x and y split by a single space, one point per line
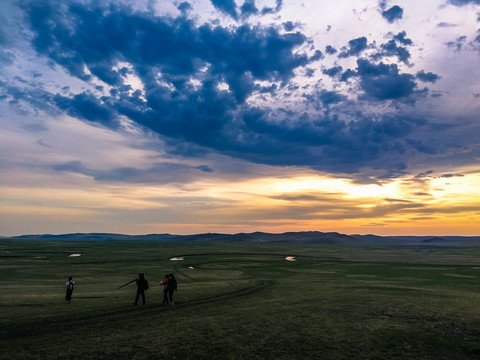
169 287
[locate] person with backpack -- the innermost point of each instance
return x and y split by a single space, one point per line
142 285
165 290
171 288
70 286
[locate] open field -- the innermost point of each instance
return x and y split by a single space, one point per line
239 301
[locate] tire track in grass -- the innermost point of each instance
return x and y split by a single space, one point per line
60 325
178 271
259 286
56 325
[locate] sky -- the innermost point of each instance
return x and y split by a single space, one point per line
358 117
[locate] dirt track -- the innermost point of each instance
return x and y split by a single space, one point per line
57 326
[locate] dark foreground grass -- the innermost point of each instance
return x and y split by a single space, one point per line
238 301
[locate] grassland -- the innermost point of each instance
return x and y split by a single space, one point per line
239 301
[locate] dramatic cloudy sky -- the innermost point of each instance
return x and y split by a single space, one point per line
240 115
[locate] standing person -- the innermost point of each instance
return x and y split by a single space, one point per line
70 286
171 288
165 290
142 285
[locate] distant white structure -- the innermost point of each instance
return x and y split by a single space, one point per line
74 255
177 259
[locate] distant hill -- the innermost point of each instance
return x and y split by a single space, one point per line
288 237
94 236
422 240
302 237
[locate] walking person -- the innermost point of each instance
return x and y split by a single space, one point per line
70 286
165 290
171 288
142 285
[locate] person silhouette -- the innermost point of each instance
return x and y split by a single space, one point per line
70 286
171 288
165 289
142 285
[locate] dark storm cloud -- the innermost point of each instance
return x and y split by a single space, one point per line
402 39
270 10
384 81
289 26
331 97
427 77
392 49
333 71
347 74
85 106
323 99
248 8
355 47
423 147
316 56
37 98
278 5
228 7
184 7
309 72
392 14
330 50
212 114
324 142
174 47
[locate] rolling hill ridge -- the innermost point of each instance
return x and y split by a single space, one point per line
302 237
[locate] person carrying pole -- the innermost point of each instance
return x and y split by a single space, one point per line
142 285
128 283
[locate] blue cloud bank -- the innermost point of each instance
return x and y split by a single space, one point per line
198 79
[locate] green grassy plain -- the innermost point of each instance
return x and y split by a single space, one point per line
240 301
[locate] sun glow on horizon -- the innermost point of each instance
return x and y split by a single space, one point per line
403 206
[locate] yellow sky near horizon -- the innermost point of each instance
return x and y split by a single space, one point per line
432 205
